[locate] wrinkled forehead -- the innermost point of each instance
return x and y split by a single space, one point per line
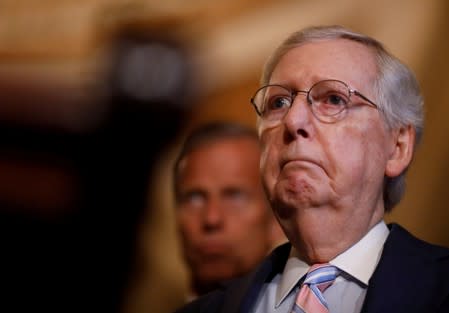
342 59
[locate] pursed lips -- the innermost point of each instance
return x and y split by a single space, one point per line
297 160
300 162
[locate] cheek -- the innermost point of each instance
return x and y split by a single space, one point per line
244 233
269 169
187 226
358 150
269 159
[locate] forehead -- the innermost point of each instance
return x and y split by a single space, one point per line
227 152
340 59
229 146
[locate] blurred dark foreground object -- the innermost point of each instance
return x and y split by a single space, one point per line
71 197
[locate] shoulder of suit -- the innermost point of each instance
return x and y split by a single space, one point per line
411 242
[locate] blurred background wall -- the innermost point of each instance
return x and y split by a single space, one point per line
96 95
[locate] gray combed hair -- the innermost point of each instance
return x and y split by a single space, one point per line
396 89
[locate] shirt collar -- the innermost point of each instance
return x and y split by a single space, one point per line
359 261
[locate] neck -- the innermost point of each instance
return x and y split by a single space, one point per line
323 243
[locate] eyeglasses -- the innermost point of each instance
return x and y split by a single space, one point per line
328 100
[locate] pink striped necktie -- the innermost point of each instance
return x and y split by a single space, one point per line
310 298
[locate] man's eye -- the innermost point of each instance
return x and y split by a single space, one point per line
235 193
193 199
235 198
278 102
335 99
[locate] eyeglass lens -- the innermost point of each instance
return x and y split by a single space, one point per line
326 98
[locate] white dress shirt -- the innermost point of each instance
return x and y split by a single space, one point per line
345 295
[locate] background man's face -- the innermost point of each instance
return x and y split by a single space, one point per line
222 212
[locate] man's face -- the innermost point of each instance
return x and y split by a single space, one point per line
222 212
324 180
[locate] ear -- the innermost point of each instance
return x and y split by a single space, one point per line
402 153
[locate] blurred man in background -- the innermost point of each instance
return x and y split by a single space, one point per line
223 217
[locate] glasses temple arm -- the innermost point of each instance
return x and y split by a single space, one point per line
364 98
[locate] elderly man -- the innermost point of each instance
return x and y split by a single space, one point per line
224 220
339 119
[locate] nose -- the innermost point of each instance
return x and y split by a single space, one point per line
213 216
298 120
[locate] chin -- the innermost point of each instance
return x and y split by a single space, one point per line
216 274
286 202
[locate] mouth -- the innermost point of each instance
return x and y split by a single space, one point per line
211 249
300 162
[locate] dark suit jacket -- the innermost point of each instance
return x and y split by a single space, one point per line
412 276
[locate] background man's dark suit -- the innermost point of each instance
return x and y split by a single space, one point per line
412 276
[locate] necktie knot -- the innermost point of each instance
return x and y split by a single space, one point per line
321 275
310 298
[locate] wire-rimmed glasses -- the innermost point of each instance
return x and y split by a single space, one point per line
328 100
